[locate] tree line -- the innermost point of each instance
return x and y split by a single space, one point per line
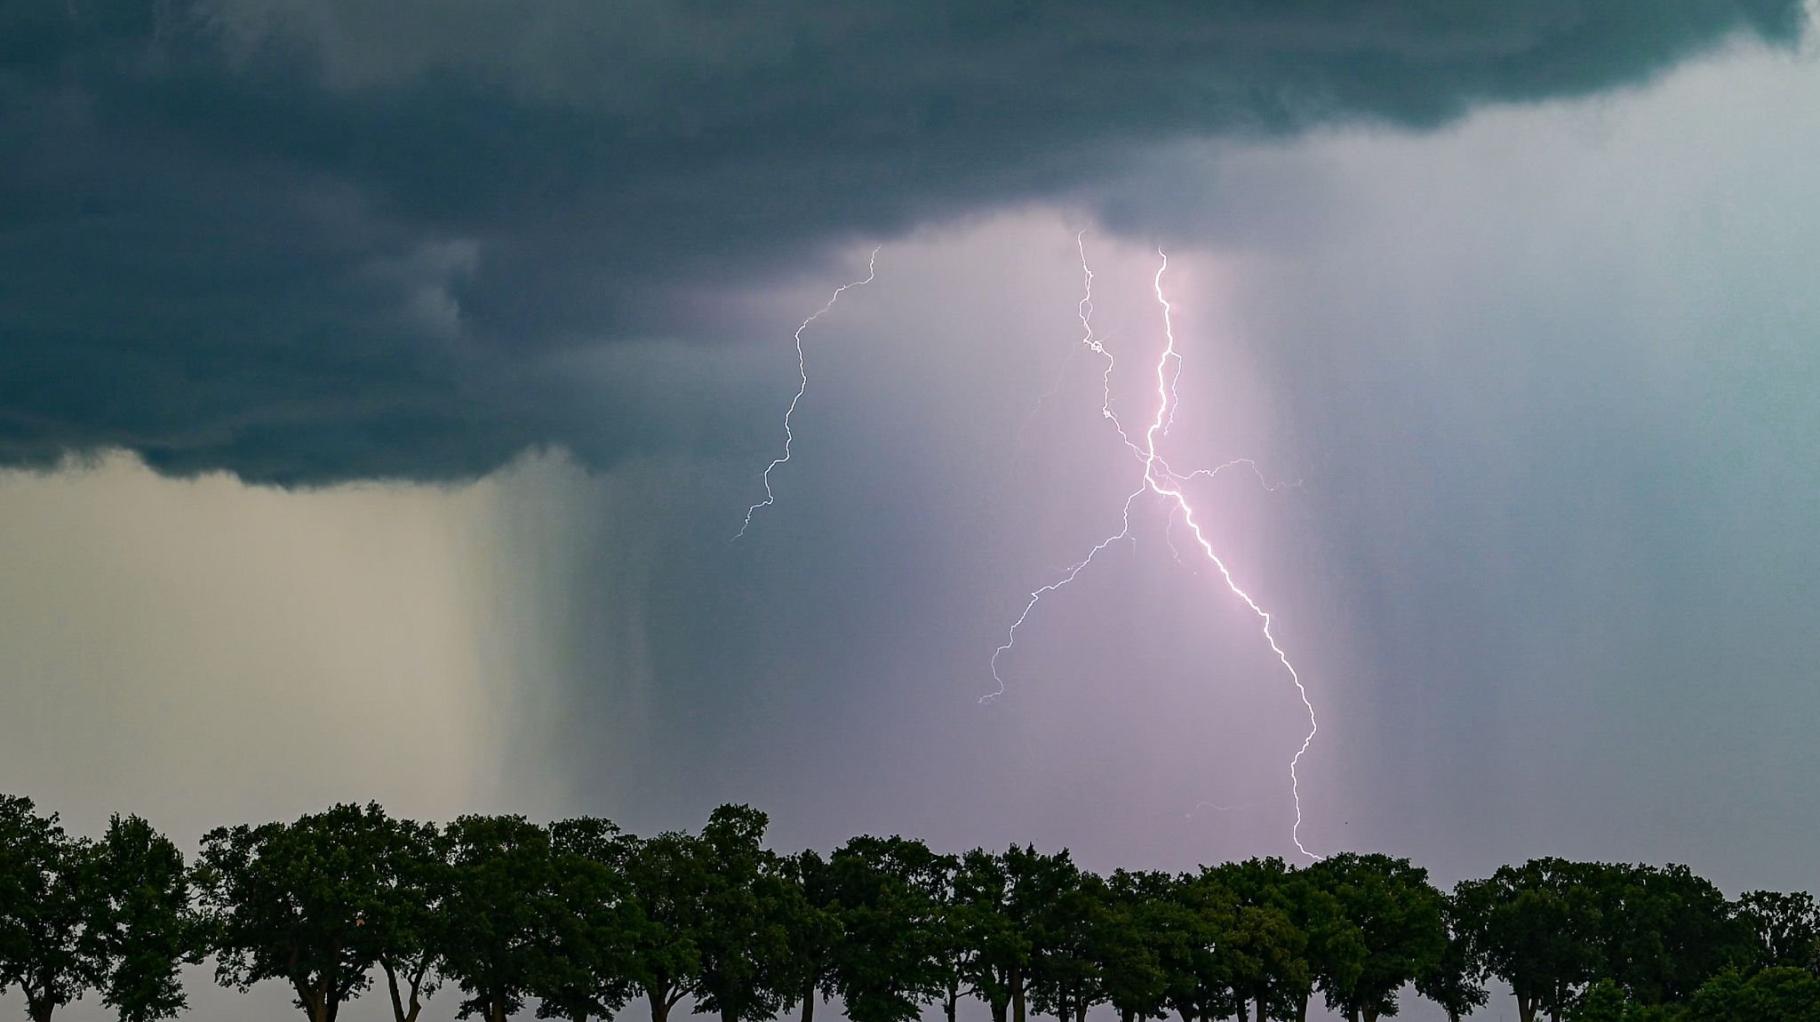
583 919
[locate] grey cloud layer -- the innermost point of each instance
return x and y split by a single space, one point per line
312 241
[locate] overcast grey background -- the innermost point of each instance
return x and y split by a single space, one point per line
1542 379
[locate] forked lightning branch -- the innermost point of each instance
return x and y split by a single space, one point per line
1155 480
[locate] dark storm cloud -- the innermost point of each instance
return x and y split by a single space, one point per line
310 240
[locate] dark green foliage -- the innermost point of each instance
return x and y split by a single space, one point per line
47 900
1604 1001
142 927
403 923
1389 921
1129 945
584 955
319 902
813 931
289 902
581 918
1784 929
1771 995
499 906
1002 900
1455 980
1664 931
890 894
1195 915
668 886
1541 930
1265 958
747 906
1554 929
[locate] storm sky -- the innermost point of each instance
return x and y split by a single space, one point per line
381 387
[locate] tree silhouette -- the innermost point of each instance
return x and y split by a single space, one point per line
1540 932
1067 978
1455 980
1266 951
584 964
1785 929
1771 995
813 931
1128 944
746 904
1195 917
1391 919
1003 897
581 917
289 902
668 886
47 901
142 927
499 907
888 963
403 924
1662 931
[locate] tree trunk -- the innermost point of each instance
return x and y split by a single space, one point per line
809 1003
950 1005
1526 1008
316 1005
1017 998
1000 1006
405 1008
1080 1010
660 1008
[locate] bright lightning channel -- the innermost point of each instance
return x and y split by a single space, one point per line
802 387
1162 481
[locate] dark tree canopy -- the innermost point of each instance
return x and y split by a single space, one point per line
890 893
142 928
584 967
403 923
1541 930
1455 980
1126 945
1785 928
1391 920
290 902
576 918
46 901
814 931
744 942
500 878
669 887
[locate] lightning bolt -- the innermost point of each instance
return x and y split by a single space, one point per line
1169 487
802 387
1215 806
1160 480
